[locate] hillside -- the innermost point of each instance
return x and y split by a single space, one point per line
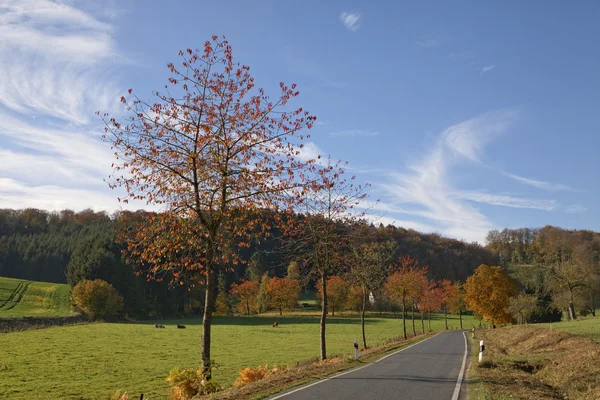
22 298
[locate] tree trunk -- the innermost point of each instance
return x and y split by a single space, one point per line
593 304
460 317
572 307
446 318
207 321
323 316
362 317
412 317
422 322
404 318
280 311
248 307
429 321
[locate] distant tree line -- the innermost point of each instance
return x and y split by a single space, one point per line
68 246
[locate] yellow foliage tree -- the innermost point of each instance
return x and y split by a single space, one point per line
488 292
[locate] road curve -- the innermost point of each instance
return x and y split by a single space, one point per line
427 370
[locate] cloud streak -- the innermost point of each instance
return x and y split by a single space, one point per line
351 21
427 192
57 66
486 68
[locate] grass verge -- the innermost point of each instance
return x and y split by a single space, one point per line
527 362
307 372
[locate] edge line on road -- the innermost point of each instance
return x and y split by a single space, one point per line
347 372
456 393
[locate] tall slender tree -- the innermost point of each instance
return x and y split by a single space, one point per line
208 147
322 240
369 268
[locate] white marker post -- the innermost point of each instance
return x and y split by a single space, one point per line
356 349
481 349
473 333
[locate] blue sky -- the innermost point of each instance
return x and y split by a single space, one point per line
463 116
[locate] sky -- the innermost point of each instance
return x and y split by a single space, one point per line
463 116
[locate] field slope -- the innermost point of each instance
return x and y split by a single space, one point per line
22 298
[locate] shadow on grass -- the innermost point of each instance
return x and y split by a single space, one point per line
260 321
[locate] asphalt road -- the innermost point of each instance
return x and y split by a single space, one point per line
428 370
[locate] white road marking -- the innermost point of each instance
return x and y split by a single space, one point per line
462 371
347 372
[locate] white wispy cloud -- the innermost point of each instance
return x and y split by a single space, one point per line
469 138
354 133
576 209
506 200
434 39
486 69
350 20
58 64
54 60
427 191
538 184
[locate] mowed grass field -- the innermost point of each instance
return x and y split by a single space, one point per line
587 326
93 361
21 298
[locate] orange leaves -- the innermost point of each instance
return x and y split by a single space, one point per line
283 293
408 281
488 292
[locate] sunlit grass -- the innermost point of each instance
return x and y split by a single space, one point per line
19 298
93 361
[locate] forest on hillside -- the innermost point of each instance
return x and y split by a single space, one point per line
68 246
560 266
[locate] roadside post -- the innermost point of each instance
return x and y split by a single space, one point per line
473 333
481 349
356 349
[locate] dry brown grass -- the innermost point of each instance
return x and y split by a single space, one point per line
525 362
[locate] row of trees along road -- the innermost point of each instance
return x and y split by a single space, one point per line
211 145
214 153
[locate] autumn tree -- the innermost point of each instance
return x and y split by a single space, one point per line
432 301
523 306
262 299
456 300
247 294
283 293
337 292
321 240
488 292
570 278
446 291
369 267
403 285
208 150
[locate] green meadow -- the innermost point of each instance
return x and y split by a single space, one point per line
22 298
95 360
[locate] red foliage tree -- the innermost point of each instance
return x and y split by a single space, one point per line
282 293
246 293
337 292
208 148
405 285
432 301
447 291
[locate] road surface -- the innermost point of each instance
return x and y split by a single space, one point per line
427 370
